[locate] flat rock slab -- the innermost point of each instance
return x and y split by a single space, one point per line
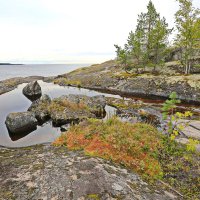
192 130
47 172
195 124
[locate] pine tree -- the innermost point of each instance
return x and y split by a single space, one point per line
134 46
147 45
122 56
151 19
159 41
188 26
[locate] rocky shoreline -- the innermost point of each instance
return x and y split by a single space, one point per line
49 172
108 77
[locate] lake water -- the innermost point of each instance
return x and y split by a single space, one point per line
10 71
15 101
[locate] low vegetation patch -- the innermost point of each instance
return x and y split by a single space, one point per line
68 82
135 146
61 105
125 75
10 83
180 168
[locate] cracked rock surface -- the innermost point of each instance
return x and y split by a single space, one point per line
47 172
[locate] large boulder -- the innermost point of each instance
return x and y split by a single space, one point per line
32 90
21 122
41 108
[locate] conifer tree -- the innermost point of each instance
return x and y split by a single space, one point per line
188 26
159 41
148 43
151 18
122 56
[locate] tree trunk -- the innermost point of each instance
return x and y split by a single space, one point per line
189 67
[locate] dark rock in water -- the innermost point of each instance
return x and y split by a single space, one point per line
32 91
21 122
40 108
65 127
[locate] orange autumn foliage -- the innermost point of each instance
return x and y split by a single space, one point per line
132 145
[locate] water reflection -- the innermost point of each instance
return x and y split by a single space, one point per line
15 101
17 136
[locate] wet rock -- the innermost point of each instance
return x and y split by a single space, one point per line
146 114
21 122
60 118
32 90
97 105
40 108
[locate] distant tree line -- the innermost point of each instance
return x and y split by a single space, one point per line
148 45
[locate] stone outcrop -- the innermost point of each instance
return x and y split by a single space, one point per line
74 108
55 173
21 122
68 108
96 104
107 78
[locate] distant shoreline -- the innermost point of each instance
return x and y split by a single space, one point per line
9 64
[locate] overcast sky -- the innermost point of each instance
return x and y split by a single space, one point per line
70 31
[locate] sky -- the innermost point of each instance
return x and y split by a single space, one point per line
70 31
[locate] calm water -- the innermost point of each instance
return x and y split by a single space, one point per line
15 101
10 71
